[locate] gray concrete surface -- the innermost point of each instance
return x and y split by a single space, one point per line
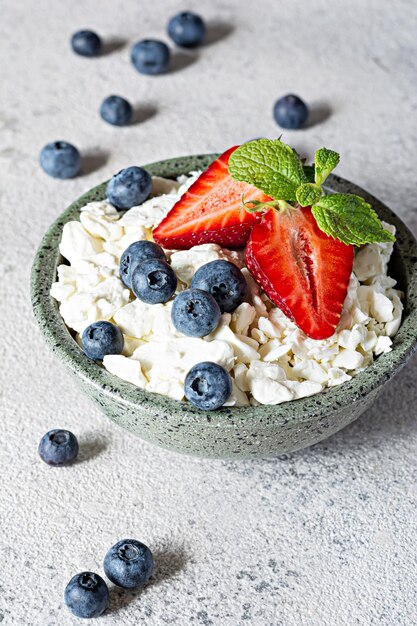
323 537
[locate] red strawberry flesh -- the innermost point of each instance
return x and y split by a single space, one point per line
302 270
211 211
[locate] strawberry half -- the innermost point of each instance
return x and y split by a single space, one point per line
302 270
211 211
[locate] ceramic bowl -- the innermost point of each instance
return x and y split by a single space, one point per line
229 432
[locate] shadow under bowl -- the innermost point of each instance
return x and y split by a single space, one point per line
228 432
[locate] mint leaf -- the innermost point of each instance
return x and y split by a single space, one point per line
325 161
308 194
350 219
271 166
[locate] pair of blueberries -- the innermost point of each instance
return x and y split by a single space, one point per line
128 564
151 56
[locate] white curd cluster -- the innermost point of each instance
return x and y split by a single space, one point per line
269 359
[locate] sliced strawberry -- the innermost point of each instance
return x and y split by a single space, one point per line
302 270
211 211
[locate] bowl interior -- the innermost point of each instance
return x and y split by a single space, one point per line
403 267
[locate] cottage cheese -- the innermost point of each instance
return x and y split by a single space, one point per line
269 359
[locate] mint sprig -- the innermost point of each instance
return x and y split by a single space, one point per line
277 170
271 166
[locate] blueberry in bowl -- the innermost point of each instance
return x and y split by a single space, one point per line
224 281
101 338
208 386
153 281
195 313
129 187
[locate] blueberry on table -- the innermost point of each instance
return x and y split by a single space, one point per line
129 187
134 255
101 338
128 563
58 447
153 281
86 43
290 112
116 110
150 56
86 595
195 313
224 281
60 159
186 29
207 386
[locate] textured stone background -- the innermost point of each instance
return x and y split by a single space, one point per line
322 537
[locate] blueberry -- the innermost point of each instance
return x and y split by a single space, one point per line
207 385
86 595
224 281
129 187
195 313
116 110
58 447
290 112
150 56
86 43
101 338
135 254
60 159
187 29
128 563
153 281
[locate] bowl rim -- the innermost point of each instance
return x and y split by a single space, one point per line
304 410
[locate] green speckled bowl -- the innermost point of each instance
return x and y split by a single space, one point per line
229 432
